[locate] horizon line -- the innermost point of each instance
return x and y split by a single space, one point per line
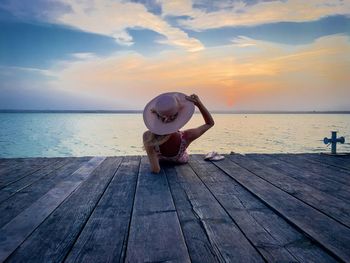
212 111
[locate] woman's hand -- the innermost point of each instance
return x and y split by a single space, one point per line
193 134
195 99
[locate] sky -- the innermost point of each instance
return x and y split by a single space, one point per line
117 54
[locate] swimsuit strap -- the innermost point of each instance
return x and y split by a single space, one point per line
180 153
182 144
156 147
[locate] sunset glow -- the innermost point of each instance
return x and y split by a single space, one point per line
237 55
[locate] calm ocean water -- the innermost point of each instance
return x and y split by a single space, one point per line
86 134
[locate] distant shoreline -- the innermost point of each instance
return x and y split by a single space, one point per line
140 111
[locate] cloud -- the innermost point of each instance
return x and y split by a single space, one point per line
106 17
13 70
261 76
176 7
32 88
242 41
114 17
83 56
239 13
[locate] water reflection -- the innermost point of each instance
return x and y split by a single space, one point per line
29 135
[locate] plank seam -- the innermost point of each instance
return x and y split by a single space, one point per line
292 194
41 167
177 215
284 217
334 182
240 229
184 255
316 162
285 246
347 170
64 162
92 211
257 222
126 241
171 191
45 218
20 243
216 251
326 166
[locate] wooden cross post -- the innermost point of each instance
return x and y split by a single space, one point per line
334 140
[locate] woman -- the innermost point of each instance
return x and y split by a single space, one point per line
164 116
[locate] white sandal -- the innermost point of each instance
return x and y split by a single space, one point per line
217 158
214 156
210 155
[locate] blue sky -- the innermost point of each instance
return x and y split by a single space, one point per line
118 54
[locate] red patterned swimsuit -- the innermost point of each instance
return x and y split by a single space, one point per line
182 155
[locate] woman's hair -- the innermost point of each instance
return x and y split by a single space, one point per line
151 139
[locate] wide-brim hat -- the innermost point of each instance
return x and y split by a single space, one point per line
167 113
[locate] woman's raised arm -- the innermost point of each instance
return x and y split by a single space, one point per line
192 134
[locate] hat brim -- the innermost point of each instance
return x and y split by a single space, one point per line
155 125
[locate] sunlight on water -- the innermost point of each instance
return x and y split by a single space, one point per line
41 134
271 133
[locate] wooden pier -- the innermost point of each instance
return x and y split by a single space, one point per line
246 208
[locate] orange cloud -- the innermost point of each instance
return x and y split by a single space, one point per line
269 76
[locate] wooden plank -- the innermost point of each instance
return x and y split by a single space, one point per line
314 180
301 161
155 232
227 241
197 241
26 181
303 249
54 238
19 228
331 235
27 167
342 162
104 236
276 240
19 165
334 207
7 162
21 200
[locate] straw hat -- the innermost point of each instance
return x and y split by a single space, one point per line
167 113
